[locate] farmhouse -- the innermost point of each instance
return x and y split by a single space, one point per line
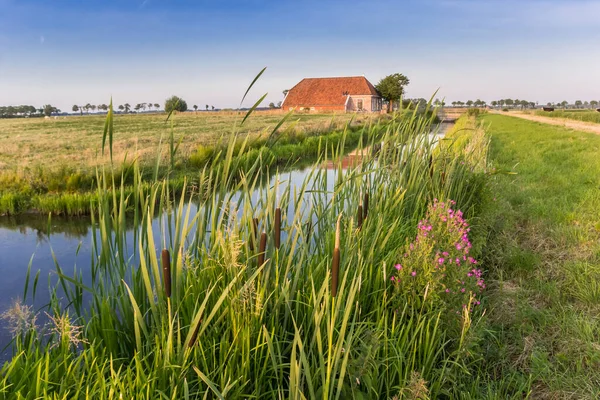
354 93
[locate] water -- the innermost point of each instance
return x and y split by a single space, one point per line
34 239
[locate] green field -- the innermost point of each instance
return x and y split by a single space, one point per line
578 115
50 165
544 259
74 142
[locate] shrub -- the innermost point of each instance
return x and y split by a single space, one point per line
475 112
175 103
505 109
436 271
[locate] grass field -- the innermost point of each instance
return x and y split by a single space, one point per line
74 142
578 115
544 259
50 165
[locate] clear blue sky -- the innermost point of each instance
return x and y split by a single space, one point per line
67 52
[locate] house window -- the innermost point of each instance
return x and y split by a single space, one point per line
359 104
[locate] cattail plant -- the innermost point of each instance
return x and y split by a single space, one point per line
366 205
262 248
335 265
166 263
277 227
359 216
194 336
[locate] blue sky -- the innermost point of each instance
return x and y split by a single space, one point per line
67 52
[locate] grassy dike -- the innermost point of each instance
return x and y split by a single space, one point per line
544 261
366 287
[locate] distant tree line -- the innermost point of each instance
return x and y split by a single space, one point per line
27 111
578 104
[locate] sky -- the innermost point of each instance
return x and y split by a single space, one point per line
65 52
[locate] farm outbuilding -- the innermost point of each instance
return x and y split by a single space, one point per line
343 94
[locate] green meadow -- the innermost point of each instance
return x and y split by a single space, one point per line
543 261
49 166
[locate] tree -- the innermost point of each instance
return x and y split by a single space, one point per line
578 103
213 107
391 88
195 107
121 107
127 107
138 107
75 108
494 103
93 108
271 105
469 103
285 92
48 110
157 106
594 103
509 102
207 107
175 103
564 103
278 104
150 106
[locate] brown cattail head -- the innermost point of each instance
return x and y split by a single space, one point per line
359 216
262 248
335 264
308 230
166 263
277 227
255 226
194 335
366 205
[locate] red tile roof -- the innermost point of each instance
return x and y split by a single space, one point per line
310 92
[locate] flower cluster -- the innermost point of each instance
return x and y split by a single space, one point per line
436 269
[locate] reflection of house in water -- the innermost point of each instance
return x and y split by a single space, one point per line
351 159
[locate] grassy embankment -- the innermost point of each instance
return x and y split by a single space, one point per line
577 115
233 312
50 165
544 259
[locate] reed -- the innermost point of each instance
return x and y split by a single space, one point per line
277 231
166 264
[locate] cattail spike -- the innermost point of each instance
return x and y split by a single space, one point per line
359 216
262 248
194 335
166 263
277 227
366 205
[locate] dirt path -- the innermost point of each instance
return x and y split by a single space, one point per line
567 123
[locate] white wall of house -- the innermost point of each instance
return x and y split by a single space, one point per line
365 103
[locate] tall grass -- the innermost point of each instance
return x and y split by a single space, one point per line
237 319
